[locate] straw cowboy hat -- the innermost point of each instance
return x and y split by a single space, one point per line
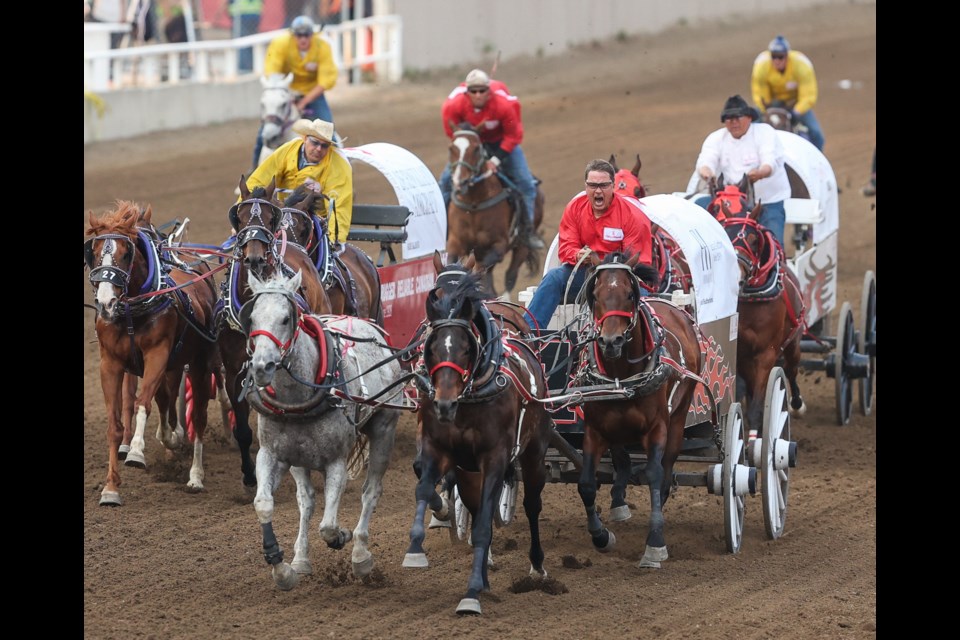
318 128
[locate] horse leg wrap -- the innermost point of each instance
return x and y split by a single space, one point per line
271 549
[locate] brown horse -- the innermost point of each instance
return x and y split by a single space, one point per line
356 290
667 256
650 348
256 220
151 322
484 217
481 418
771 315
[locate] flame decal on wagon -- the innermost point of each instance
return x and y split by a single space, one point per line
720 379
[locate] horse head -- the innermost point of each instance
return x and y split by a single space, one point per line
271 320
779 115
300 211
116 267
751 243
613 293
628 183
451 350
739 198
467 157
256 219
277 107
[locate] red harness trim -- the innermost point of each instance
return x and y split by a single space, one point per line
314 328
451 365
621 314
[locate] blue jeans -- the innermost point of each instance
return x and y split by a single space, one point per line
316 109
773 215
245 24
516 169
813 128
548 294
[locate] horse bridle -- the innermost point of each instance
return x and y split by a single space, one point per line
295 316
591 299
111 274
256 229
464 373
476 171
282 120
748 259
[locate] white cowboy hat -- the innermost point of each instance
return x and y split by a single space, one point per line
317 128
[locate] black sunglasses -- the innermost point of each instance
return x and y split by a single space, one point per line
778 56
477 90
317 143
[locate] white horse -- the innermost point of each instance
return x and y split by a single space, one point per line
278 112
303 426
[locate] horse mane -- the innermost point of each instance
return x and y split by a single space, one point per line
302 194
122 220
648 274
258 192
469 289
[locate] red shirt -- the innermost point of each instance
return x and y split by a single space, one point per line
500 118
623 227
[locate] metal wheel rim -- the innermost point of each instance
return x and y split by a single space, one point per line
846 346
868 330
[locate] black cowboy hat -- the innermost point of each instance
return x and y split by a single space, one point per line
735 107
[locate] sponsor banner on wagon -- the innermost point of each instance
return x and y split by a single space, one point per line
416 189
403 294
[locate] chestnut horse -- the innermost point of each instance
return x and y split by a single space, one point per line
254 252
356 290
650 348
152 320
771 314
481 417
484 216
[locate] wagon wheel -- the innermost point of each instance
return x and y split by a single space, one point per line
845 349
867 339
777 453
507 504
735 477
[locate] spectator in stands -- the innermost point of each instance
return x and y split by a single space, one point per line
246 22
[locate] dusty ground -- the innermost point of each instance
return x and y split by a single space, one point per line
169 564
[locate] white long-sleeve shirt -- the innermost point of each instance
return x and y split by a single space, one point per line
733 157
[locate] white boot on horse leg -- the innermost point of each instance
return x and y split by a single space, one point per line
652 557
135 456
441 519
195 484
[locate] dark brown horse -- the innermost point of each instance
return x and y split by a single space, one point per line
256 220
668 259
481 419
771 315
651 348
482 216
151 322
356 291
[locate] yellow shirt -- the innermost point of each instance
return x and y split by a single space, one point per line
334 174
797 83
314 68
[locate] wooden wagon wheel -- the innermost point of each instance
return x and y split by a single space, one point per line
778 453
844 353
736 477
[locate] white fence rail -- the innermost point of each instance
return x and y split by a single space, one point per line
357 45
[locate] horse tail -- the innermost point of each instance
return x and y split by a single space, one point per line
358 456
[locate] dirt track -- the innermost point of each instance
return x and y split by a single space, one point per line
169 564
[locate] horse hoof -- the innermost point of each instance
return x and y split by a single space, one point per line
801 410
248 490
652 557
540 575
436 523
285 577
302 567
123 451
619 514
611 543
110 499
135 459
194 487
363 568
469 606
416 561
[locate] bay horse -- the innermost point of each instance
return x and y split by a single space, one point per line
480 393
484 216
351 279
256 219
770 312
309 378
152 320
651 348
668 259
